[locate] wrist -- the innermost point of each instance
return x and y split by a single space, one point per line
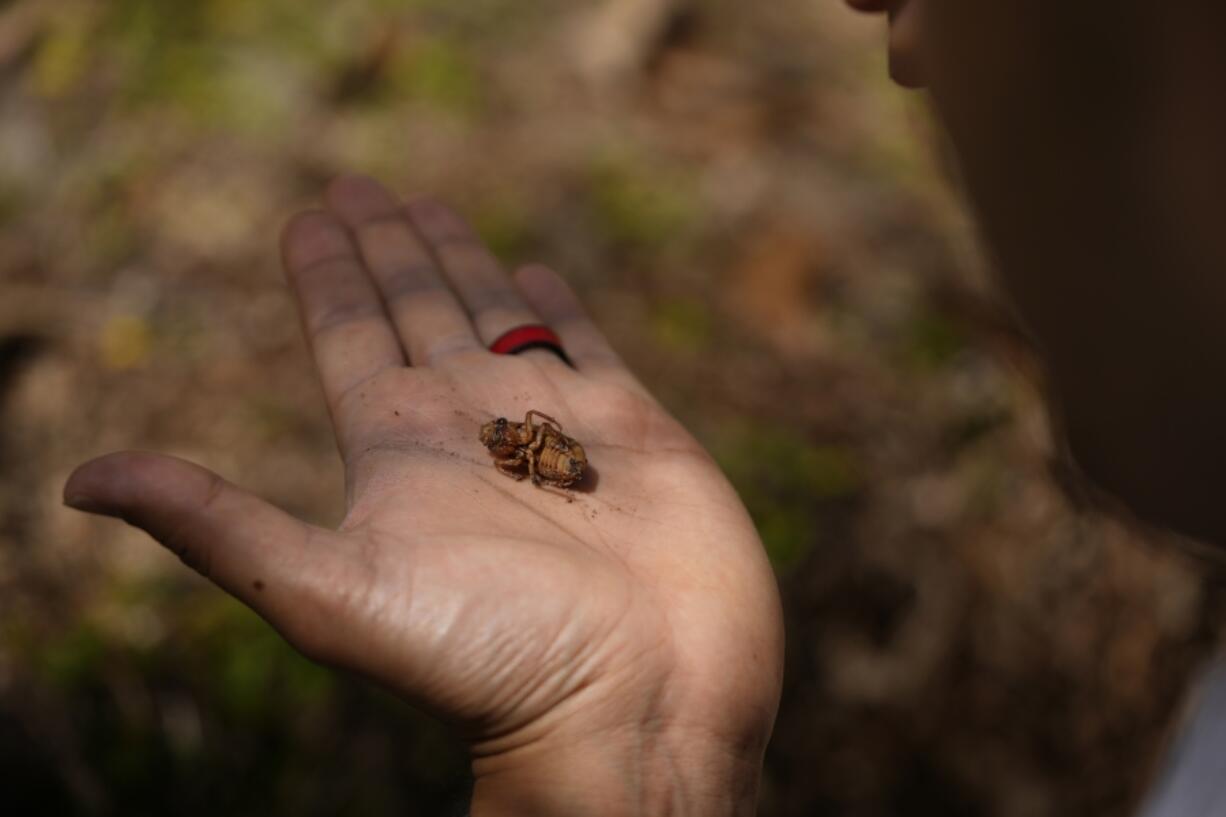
643 774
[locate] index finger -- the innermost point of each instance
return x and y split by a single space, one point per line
350 334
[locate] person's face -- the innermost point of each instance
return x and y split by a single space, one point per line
905 65
1089 138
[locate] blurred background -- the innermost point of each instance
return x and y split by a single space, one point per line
766 229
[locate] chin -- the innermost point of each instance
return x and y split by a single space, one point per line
905 71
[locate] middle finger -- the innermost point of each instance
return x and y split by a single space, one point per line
431 322
493 301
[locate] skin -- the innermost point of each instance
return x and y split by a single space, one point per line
621 654
618 654
1089 137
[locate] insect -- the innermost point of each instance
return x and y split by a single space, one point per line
552 457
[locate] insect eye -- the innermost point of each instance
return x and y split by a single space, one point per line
501 422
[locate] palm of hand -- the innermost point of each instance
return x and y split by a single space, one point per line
642 605
522 596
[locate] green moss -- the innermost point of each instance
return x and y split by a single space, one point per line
63 56
482 18
255 674
186 57
784 480
11 203
161 49
439 73
271 417
683 324
933 341
506 226
72 658
640 206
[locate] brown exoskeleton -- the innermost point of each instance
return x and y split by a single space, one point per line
551 456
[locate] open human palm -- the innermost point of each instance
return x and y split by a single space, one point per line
619 629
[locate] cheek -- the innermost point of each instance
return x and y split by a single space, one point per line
908 44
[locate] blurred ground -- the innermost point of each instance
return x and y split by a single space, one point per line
757 219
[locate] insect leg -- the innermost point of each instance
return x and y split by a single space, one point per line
506 466
543 416
532 468
537 441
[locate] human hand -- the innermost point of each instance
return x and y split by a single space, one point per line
614 651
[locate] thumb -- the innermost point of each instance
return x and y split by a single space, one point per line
275 563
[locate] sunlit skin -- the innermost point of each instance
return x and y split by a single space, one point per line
616 654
